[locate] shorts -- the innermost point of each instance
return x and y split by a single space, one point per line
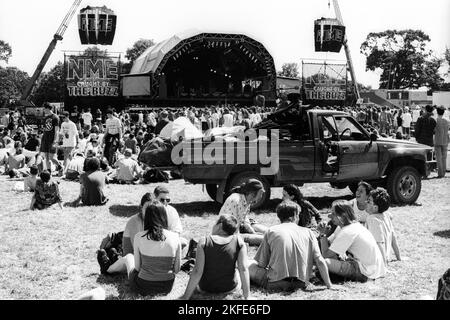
48 148
260 278
347 269
146 288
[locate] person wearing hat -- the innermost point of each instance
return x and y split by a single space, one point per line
128 170
425 126
441 139
69 134
92 146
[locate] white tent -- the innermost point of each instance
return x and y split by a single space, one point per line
180 127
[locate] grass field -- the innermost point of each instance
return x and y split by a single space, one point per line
51 254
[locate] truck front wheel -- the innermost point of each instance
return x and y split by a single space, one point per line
404 185
240 178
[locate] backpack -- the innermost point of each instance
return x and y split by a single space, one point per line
444 287
112 244
153 175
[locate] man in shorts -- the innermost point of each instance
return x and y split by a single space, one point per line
50 138
113 137
69 133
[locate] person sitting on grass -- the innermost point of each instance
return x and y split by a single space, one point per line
128 170
359 205
218 255
380 224
157 255
364 260
92 183
75 166
308 211
46 193
284 260
16 164
238 205
29 183
133 227
162 195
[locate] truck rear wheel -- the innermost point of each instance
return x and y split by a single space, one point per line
211 189
240 178
404 185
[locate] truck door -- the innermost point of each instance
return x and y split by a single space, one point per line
358 157
296 157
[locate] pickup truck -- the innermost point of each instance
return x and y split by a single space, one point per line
319 146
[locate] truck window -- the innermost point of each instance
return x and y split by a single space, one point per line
328 130
348 130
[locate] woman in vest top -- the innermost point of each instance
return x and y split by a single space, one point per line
216 260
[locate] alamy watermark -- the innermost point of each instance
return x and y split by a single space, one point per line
252 147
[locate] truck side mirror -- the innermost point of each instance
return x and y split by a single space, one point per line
373 137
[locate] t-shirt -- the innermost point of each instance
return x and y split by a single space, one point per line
93 184
382 229
127 167
361 215
228 120
69 132
87 118
173 220
288 251
76 164
16 161
358 241
157 260
29 183
237 206
134 225
50 124
407 119
113 125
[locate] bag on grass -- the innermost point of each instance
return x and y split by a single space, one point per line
112 244
154 175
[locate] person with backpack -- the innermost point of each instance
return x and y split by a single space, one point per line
217 258
157 255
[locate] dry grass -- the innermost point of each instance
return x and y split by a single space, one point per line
50 254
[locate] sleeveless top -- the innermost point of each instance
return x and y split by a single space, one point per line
220 266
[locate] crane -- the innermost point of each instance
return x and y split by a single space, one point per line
337 11
58 36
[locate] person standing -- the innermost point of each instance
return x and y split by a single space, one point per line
425 127
441 138
69 134
87 119
162 123
406 120
50 137
113 136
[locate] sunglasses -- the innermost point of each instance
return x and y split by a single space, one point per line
165 200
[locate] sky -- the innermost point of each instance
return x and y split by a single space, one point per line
284 27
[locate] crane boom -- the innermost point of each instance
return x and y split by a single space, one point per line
56 37
337 11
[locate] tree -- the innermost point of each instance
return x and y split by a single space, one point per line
138 48
5 51
13 82
403 58
289 70
51 86
447 57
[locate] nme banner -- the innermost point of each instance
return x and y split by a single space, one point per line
324 83
92 76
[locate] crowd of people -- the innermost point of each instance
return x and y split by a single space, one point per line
356 244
